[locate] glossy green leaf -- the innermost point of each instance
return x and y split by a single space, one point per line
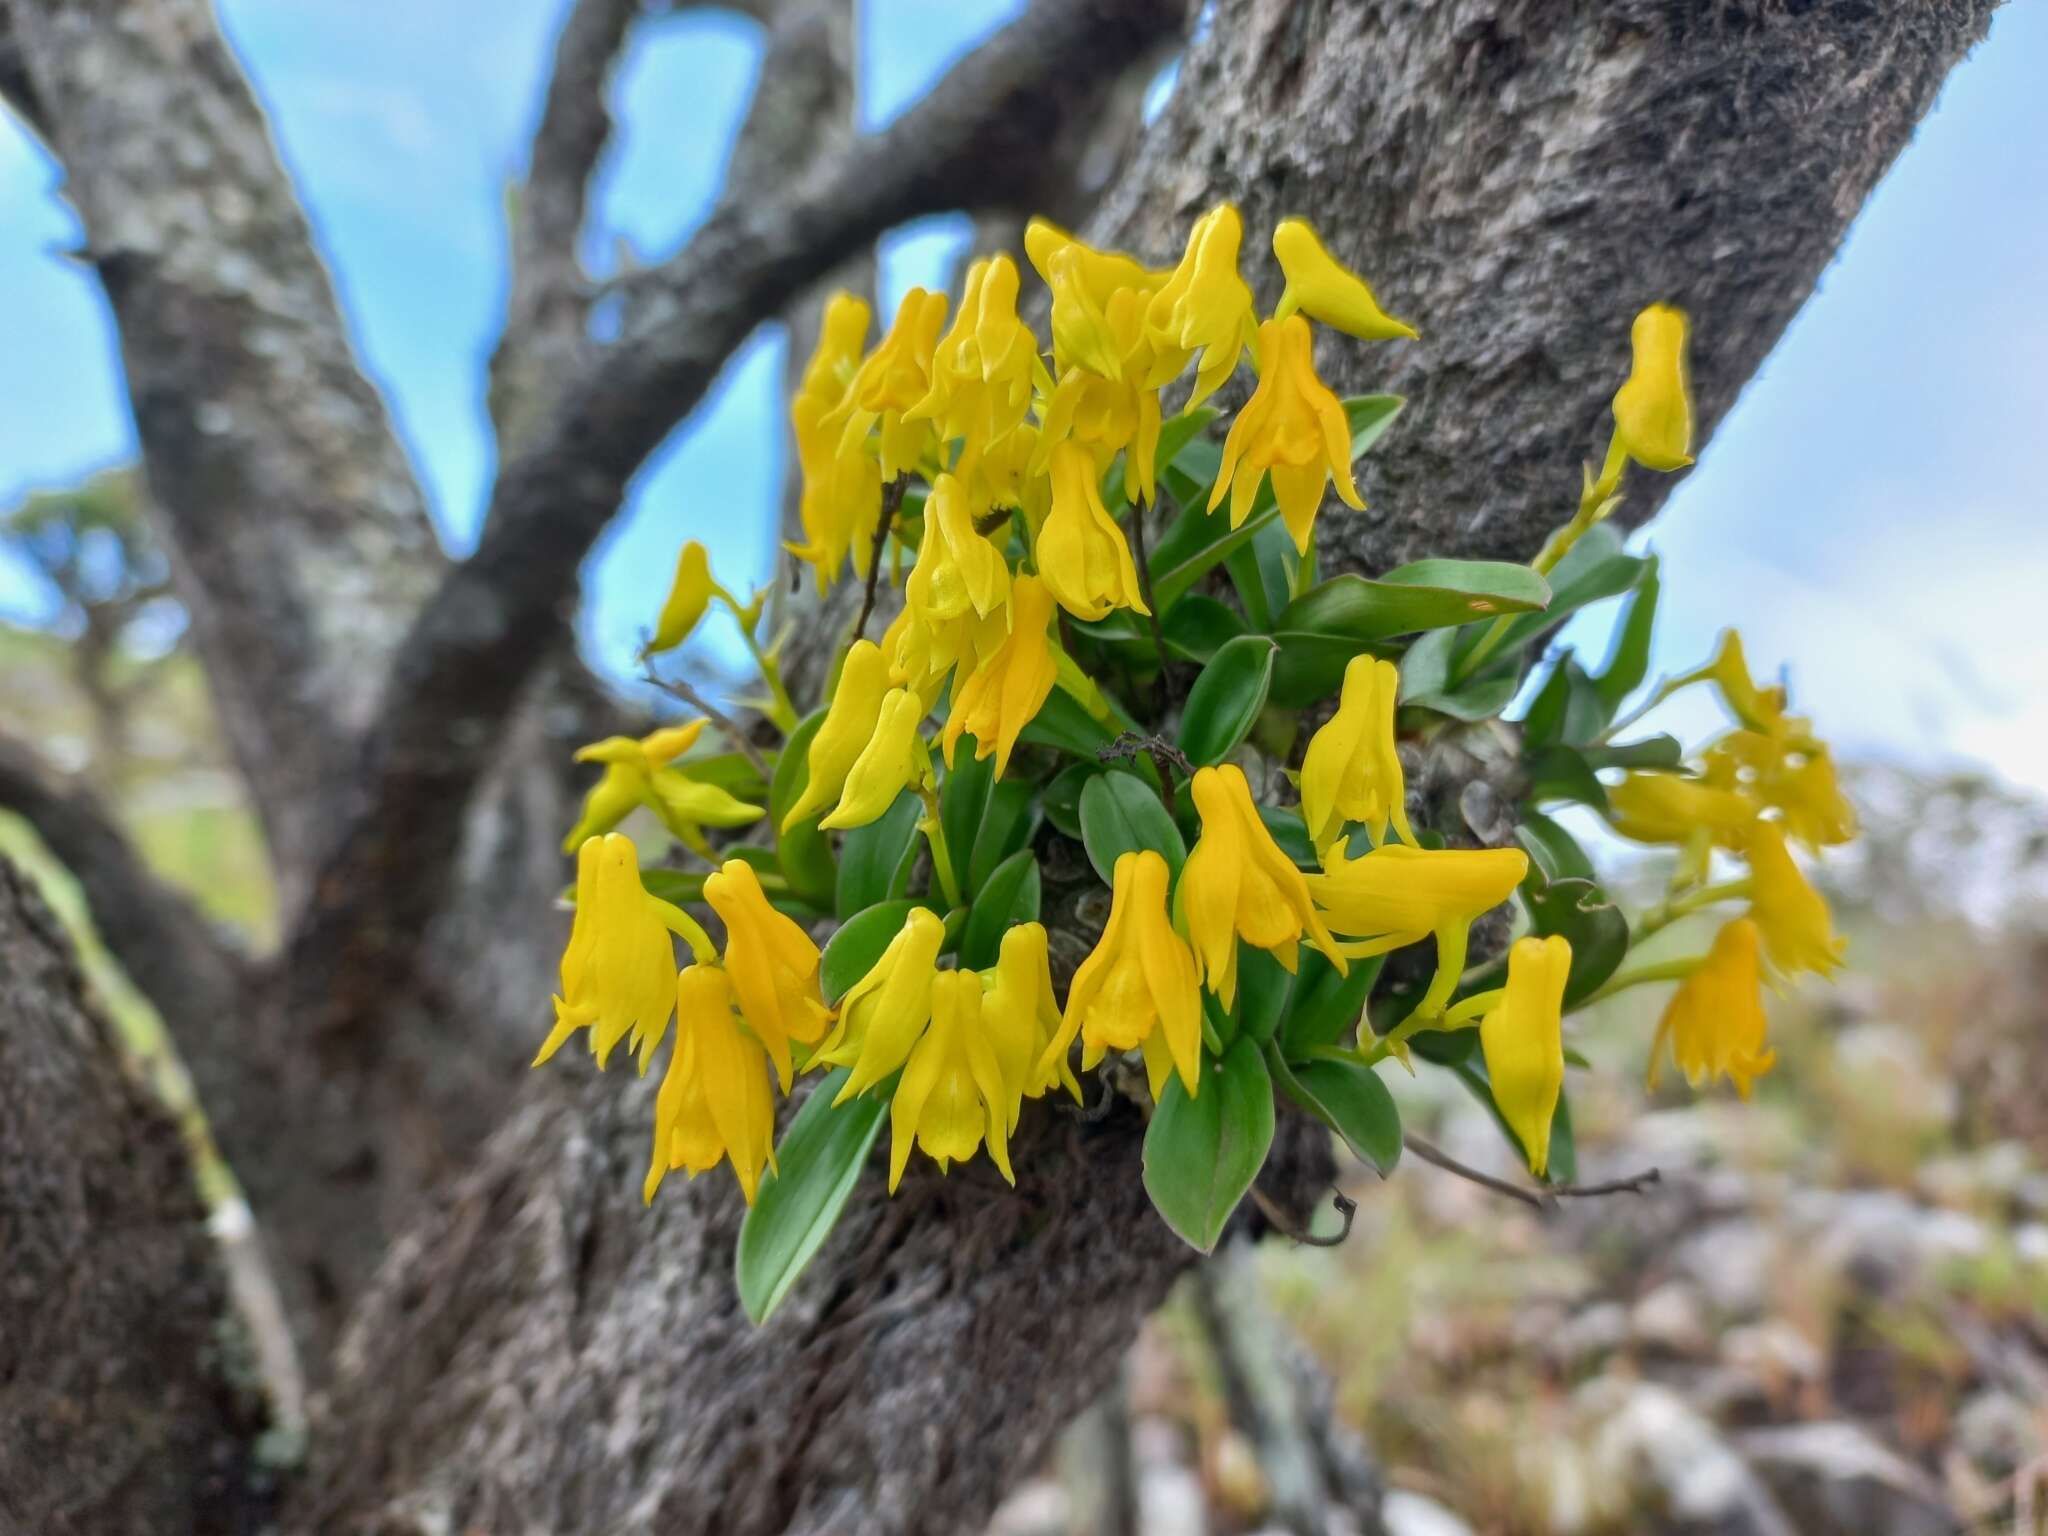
1426 679
804 852
1552 850
1061 798
1263 987
1564 1152
1226 699
1290 832
1120 813
1352 1101
1325 1005
818 1165
1562 773
1567 710
1008 823
1578 908
1008 897
875 860
1198 626
1262 570
963 798
1595 568
858 943
1202 1153
681 886
1659 751
1062 723
1629 662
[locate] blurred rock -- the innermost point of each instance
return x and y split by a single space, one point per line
1731 1263
1652 1451
1410 1514
1881 1241
1834 1479
1036 1509
1587 1337
1670 1319
1998 1433
1888 1064
1775 1354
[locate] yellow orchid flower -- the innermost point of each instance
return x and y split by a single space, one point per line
688 596
1106 417
1085 284
1352 770
1293 426
715 1104
1007 689
1761 709
1139 987
1023 1016
1715 1022
883 1013
773 965
1398 895
985 367
1081 551
1522 1037
1325 289
619 967
890 383
957 569
841 497
1653 408
1205 304
849 725
1238 884
1653 805
638 773
951 1097
1798 933
890 762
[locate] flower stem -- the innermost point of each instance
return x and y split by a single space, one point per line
933 827
1671 910
1644 976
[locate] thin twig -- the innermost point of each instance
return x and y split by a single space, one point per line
1281 1222
718 717
892 498
1165 758
1544 1200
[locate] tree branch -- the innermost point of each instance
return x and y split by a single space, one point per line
546 337
299 537
494 616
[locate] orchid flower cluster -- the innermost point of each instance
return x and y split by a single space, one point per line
1046 676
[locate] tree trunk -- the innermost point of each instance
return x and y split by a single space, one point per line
540 1354
143 1431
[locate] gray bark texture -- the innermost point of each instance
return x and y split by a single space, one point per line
525 1349
118 1416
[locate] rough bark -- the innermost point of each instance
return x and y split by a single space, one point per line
1517 178
544 1354
298 536
140 1432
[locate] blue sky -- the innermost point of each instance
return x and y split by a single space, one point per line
1866 511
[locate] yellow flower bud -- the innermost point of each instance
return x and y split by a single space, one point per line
1761 709
1522 1037
1238 884
1023 1016
1797 930
1105 417
772 963
841 497
1715 1022
883 1013
714 1104
619 968
886 765
1139 988
1081 551
1653 408
951 1097
1656 806
841 737
1324 288
958 570
984 367
1205 304
688 597
1085 284
1293 426
1352 771
890 382
1006 690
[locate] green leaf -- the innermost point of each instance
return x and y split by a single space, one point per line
858 943
875 860
963 798
1008 823
1176 433
1226 699
1202 1153
1562 773
1629 662
1593 569
1120 813
1369 416
1659 751
1578 908
1320 631
804 852
1062 723
1199 625
818 1165
1263 986
1552 850
1008 897
1352 1101
1262 570
681 886
1325 1005
1290 832
1062 796
1567 710
1426 679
